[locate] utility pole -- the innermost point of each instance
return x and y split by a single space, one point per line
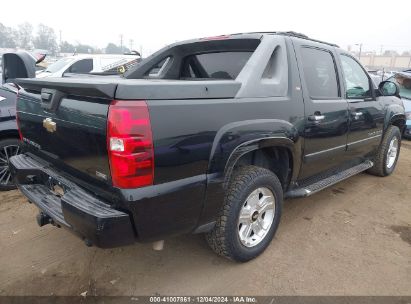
131 44
121 42
381 49
60 41
359 55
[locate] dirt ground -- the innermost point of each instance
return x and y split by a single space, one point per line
351 239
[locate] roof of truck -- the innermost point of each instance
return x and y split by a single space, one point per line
288 33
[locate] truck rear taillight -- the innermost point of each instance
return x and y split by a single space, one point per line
18 126
130 144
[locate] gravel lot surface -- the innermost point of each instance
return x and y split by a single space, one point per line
351 239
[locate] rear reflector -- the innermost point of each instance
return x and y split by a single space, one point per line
130 144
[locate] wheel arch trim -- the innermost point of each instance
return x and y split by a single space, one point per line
396 117
261 143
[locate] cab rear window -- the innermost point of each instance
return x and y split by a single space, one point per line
201 59
219 65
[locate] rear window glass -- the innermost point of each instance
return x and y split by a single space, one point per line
221 65
83 66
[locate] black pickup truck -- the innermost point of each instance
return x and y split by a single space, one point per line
204 136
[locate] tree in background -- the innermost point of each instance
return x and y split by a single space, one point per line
111 48
25 35
67 47
45 39
7 37
85 49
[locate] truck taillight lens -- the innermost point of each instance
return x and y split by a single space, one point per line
18 126
130 144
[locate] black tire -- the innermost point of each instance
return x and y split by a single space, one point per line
380 167
224 239
6 183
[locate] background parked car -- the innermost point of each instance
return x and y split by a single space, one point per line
375 77
403 80
90 64
24 65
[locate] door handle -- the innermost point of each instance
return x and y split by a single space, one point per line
316 117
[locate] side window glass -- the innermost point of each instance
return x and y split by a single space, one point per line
82 66
356 80
319 73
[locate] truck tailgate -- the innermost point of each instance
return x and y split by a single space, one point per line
66 122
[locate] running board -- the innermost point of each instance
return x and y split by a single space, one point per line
322 182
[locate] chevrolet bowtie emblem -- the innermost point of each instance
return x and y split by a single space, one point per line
49 125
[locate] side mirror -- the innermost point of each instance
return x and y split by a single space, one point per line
389 88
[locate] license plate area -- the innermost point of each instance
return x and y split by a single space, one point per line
56 187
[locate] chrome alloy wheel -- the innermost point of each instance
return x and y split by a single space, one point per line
392 152
5 154
256 216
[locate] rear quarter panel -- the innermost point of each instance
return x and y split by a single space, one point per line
194 139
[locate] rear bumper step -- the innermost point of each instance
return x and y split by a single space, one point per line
70 206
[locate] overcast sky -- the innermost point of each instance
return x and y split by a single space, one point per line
154 24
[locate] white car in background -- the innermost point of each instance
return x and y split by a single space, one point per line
376 78
90 64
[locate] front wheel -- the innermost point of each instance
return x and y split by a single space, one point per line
250 215
388 153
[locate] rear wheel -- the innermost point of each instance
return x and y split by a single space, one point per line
250 215
8 148
388 153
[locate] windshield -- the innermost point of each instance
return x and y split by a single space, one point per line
404 83
58 65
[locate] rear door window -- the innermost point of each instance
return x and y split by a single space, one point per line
221 65
319 73
83 66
